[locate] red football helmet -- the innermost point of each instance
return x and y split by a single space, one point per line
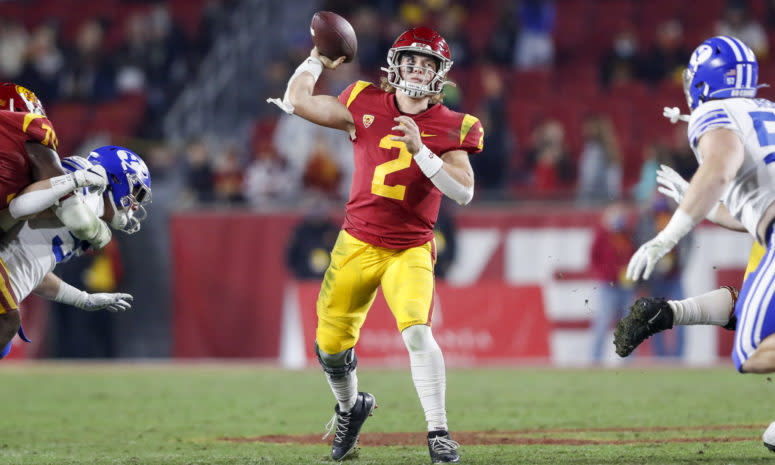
425 41
17 98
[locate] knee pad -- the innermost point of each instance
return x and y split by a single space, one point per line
419 338
337 365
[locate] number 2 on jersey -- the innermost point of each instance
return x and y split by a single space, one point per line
404 161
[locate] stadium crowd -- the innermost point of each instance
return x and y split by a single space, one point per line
569 114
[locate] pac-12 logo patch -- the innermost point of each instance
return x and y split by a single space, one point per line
367 120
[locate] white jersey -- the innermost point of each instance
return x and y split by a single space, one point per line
32 248
753 120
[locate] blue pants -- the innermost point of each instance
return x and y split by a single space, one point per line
755 308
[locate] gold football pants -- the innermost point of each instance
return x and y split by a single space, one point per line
350 286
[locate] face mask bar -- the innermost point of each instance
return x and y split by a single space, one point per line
432 87
132 211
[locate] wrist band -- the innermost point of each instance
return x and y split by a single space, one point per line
311 65
429 163
70 295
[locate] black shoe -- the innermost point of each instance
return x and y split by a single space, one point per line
348 425
648 316
442 448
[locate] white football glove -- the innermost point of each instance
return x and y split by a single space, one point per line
647 256
95 178
105 301
674 114
672 185
645 259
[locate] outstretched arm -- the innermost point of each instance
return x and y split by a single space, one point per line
673 185
721 151
53 288
324 110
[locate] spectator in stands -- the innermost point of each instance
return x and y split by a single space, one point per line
737 22
611 250
682 157
308 253
667 58
44 62
88 75
13 42
502 43
600 164
654 154
548 159
214 21
445 238
535 46
133 54
199 182
665 281
268 180
492 167
303 144
367 26
228 176
322 176
622 62
451 27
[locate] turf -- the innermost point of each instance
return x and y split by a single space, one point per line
181 414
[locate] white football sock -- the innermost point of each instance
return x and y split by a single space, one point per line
712 308
345 390
428 374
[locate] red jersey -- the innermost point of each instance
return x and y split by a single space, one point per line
16 128
392 203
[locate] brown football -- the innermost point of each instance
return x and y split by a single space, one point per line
333 36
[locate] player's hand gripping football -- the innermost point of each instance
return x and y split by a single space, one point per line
411 132
327 62
105 301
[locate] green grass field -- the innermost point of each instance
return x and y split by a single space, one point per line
181 414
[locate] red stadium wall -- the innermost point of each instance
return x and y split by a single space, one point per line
520 290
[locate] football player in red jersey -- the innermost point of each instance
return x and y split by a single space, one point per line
28 145
28 152
409 150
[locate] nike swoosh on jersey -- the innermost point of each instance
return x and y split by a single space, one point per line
427 135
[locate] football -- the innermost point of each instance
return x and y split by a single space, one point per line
333 36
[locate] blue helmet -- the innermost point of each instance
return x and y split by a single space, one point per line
721 67
129 185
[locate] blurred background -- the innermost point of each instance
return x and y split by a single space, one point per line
247 201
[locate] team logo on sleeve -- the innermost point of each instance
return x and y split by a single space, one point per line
367 120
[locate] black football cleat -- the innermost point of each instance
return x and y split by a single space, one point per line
648 316
348 425
442 448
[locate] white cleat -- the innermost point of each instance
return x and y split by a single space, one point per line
769 437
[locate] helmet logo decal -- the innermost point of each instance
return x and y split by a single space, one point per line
367 120
128 161
701 55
